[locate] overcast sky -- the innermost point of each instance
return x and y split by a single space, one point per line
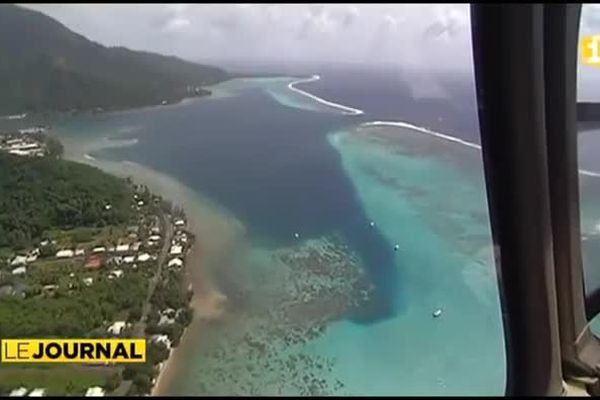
423 36
410 35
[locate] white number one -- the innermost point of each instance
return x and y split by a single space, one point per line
594 45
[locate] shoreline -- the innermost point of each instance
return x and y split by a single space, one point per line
167 368
203 305
53 114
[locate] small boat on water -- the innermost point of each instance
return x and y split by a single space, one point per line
371 224
437 313
396 247
296 235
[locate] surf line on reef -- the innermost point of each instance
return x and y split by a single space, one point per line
346 109
442 136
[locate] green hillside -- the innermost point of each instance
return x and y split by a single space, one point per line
46 66
45 193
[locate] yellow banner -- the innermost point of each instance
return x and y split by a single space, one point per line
95 351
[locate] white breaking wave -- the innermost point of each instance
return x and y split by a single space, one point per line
346 109
423 130
449 138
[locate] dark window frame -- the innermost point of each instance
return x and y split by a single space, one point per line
580 350
525 59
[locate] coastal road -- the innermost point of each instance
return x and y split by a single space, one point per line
138 331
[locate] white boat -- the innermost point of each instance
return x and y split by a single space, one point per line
437 313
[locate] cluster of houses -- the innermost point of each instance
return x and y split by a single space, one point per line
140 244
93 391
22 391
23 145
126 252
179 244
167 317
